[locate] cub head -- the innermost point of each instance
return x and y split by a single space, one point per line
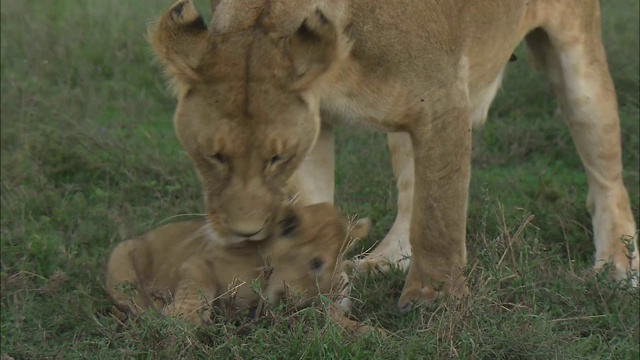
306 253
248 105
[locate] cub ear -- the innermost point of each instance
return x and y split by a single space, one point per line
315 47
180 40
358 231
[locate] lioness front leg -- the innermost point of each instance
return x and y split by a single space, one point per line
442 153
395 249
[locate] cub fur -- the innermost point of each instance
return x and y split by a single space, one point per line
180 271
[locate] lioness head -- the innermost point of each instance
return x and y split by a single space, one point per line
248 108
307 250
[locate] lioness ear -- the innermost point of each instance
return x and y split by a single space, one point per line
315 47
180 40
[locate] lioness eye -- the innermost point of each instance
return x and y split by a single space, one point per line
316 264
275 159
278 160
219 157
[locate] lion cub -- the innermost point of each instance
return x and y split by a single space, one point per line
185 261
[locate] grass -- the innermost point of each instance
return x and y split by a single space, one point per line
89 158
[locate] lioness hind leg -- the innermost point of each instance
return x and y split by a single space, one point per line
395 248
569 49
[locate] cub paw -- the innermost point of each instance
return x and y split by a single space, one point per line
192 314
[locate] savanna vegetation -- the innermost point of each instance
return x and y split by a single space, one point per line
89 158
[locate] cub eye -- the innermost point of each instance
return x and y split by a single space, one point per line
316 264
289 224
219 158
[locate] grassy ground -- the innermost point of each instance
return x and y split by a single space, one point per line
89 157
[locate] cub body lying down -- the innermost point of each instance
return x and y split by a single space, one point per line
186 262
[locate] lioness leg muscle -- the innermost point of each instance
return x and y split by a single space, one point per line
395 248
572 55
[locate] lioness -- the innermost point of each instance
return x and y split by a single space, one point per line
251 89
181 259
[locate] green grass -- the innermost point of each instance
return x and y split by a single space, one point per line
89 157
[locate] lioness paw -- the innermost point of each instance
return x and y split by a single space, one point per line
415 295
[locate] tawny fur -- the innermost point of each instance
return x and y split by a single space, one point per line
179 271
252 86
